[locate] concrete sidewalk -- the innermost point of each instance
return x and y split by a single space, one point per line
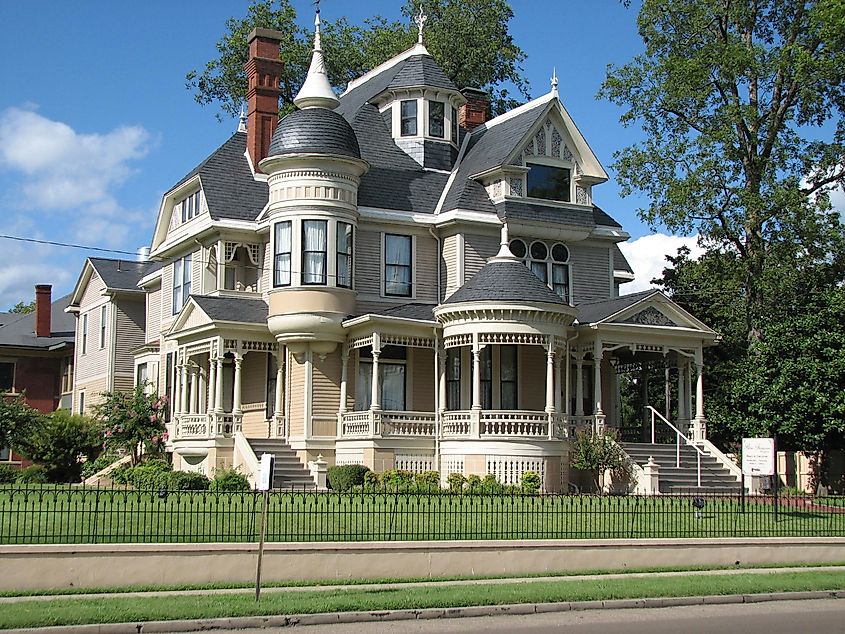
419 584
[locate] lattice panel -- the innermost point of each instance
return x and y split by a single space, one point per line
540 141
259 346
452 464
415 463
516 186
410 342
505 338
361 342
348 458
454 341
557 142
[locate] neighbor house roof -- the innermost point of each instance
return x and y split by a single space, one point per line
230 190
122 275
20 332
620 262
504 281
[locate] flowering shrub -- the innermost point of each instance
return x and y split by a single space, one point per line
133 421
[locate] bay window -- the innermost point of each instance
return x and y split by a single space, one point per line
344 254
508 377
314 243
282 254
397 265
453 379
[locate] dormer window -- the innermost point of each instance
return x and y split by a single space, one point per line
436 118
409 117
191 206
550 183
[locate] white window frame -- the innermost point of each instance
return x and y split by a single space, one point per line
556 163
350 254
289 252
550 263
444 122
184 263
83 346
104 315
81 403
416 132
190 206
413 241
326 251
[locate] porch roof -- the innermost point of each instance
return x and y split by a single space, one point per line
597 311
233 309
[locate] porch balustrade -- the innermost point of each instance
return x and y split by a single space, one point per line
371 423
212 425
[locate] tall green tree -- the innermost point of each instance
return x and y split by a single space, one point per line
58 442
469 38
741 106
22 309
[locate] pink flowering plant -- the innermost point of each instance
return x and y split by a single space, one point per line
133 422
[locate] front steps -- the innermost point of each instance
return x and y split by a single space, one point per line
290 472
715 477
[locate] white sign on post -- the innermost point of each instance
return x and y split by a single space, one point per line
265 471
758 456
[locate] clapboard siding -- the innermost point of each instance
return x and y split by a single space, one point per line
477 250
93 291
367 262
153 315
532 378
326 385
450 265
166 297
254 378
422 373
130 334
266 270
591 275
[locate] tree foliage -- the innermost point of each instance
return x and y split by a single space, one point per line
133 422
58 443
597 453
17 420
741 104
469 38
22 308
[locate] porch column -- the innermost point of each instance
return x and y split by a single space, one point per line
476 374
700 423
203 391
688 390
177 395
441 379
212 384
598 355
344 378
183 388
236 400
375 383
682 400
194 395
558 382
278 404
550 377
218 386
579 386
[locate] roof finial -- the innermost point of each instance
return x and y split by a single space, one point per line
504 254
316 92
421 19
242 121
554 81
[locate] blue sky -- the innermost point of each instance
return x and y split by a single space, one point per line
96 123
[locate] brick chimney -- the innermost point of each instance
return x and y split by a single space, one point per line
474 112
43 306
263 70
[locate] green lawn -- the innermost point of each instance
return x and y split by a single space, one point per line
76 515
115 610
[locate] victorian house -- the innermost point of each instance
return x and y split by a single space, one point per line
386 277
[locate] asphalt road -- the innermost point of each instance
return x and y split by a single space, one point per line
802 617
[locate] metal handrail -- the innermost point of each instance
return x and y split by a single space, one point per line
678 435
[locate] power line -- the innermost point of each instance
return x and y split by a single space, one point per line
67 245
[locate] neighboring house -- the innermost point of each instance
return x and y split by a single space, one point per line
36 356
390 278
110 313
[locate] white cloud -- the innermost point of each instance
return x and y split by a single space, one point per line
63 169
647 256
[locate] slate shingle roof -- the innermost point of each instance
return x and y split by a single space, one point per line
488 148
592 312
122 274
421 70
602 218
620 262
230 190
504 281
238 309
514 210
317 130
20 332
410 311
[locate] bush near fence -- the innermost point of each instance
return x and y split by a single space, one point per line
55 514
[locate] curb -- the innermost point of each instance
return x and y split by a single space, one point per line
330 618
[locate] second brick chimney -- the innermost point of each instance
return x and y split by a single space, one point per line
43 308
263 70
474 112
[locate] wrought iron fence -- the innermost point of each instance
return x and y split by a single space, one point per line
79 515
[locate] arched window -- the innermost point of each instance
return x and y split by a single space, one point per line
551 265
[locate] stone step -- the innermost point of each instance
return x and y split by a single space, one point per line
290 472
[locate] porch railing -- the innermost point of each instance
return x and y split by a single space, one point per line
678 435
503 424
372 423
212 425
